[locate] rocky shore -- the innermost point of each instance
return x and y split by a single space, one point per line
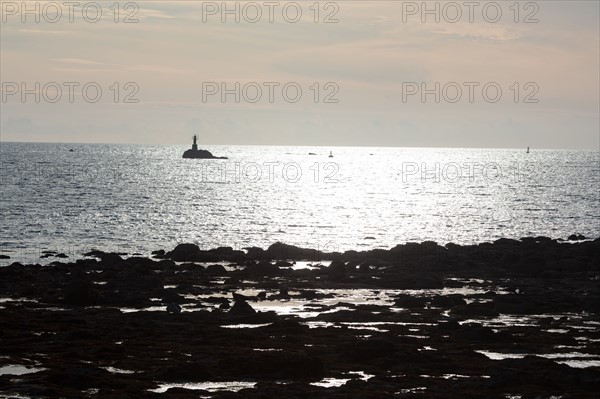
508 319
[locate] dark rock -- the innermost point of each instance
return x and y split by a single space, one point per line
94 253
217 270
184 253
200 154
223 254
254 252
277 365
541 372
364 267
288 327
336 270
448 301
282 263
171 296
82 377
262 268
409 301
369 349
110 259
174 308
475 333
4 257
80 292
476 309
166 264
242 308
239 297
514 304
428 282
185 372
283 294
280 251
448 326
160 252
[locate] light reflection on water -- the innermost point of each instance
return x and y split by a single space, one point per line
572 359
230 386
118 371
332 297
330 382
18 369
137 198
246 325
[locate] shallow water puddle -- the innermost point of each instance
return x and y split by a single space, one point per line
363 326
18 300
580 364
148 309
229 386
572 359
330 382
304 265
293 308
19 369
115 370
319 324
268 349
362 375
246 325
330 298
413 390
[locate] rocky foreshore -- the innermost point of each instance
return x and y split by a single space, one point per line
508 319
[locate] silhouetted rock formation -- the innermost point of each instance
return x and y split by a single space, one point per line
534 298
241 308
195 153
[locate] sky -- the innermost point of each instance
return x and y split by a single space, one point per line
484 74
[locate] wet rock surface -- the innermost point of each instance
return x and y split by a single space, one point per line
513 318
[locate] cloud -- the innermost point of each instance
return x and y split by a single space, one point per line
19 126
46 31
154 13
369 54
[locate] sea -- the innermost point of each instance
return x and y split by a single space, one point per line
72 198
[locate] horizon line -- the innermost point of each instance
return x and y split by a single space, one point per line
304 145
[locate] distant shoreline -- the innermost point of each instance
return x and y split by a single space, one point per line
189 252
324 146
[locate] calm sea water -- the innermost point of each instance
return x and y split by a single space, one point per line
138 198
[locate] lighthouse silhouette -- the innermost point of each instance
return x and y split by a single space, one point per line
194 152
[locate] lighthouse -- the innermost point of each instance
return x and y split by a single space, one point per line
194 152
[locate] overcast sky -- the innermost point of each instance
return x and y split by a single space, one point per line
527 77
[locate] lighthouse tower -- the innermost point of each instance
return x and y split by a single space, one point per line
194 152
